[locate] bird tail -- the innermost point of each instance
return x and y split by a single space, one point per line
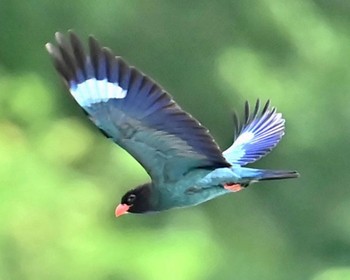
254 175
277 174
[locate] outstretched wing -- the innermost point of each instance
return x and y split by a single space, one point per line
259 133
134 111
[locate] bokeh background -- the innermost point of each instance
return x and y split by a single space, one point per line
60 179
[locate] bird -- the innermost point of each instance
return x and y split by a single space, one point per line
185 164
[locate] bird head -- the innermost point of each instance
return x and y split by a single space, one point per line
136 200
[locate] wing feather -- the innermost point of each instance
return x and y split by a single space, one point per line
256 136
134 111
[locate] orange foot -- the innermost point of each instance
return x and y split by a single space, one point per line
233 187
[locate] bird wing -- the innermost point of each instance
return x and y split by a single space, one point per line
259 133
134 111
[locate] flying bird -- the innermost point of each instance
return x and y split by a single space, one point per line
185 164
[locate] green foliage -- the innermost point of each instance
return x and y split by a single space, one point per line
60 179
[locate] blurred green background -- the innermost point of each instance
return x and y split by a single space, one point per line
60 179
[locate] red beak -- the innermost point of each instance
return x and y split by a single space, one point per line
121 209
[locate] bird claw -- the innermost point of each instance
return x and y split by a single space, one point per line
233 187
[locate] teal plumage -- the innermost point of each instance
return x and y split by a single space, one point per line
183 160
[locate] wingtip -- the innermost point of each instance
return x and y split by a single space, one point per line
49 47
256 109
71 31
246 111
236 124
73 37
92 39
58 36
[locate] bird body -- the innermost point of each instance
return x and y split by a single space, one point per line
201 185
183 160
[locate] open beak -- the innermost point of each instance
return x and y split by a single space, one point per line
121 209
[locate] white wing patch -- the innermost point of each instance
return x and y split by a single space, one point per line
239 143
244 138
94 91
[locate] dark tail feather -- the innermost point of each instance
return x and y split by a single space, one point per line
276 174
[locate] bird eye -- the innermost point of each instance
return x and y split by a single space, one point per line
131 198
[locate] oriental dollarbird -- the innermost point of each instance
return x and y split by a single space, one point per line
185 164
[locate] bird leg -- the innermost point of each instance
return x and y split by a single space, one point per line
233 187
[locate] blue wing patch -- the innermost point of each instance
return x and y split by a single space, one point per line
134 111
259 133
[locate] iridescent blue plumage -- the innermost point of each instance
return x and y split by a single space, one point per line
184 162
257 136
134 111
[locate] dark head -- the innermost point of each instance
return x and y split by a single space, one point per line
136 200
